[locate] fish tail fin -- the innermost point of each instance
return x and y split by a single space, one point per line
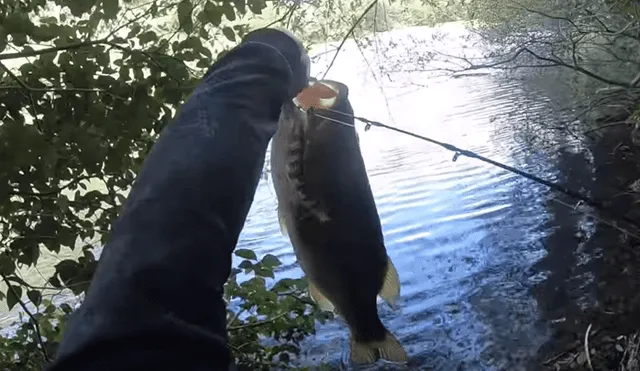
391 349
388 349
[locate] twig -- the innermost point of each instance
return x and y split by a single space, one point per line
150 57
346 37
61 90
554 358
135 19
605 126
33 53
586 347
257 324
302 300
601 220
235 317
33 321
54 190
27 94
286 14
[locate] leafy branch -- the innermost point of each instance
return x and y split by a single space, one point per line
257 324
34 322
34 53
56 190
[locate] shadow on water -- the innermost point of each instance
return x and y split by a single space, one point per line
594 278
496 272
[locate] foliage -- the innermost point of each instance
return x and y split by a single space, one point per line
85 88
598 40
87 85
279 314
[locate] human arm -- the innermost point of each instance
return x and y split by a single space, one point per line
155 301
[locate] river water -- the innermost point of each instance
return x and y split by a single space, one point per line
469 240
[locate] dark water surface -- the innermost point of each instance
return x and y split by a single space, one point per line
471 242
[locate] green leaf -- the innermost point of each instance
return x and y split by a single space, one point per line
14 294
50 309
228 33
212 14
147 37
241 5
271 261
246 254
7 266
184 15
55 282
44 33
67 270
35 296
17 23
245 264
66 308
256 6
203 63
229 12
29 253
264 272
110 8
135 29
79 7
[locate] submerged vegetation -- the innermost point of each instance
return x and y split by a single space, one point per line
87 85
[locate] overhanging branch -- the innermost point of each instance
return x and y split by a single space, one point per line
32 318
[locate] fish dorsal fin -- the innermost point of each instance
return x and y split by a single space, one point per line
391 286
321 300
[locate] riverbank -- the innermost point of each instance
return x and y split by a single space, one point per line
609 338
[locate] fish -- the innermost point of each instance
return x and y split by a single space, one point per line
327 209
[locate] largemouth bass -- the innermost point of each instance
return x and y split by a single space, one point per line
326 207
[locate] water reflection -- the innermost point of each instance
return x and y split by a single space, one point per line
492 268
464 235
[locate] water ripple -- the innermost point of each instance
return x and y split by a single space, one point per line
463 235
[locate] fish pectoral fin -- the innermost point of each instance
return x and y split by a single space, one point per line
391 286
321 300
283 223
389 349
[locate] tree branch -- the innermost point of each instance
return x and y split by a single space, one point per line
257 324
555 61
33 53
24 86
348 34
286 14
54 190
135 19
33 320
60 90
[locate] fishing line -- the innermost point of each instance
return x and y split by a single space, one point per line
462 152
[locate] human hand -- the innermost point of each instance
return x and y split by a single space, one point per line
292 50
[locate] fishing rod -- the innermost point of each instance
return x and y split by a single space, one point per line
581 197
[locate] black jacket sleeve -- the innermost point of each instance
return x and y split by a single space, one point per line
155 302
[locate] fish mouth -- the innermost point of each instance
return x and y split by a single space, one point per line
319 95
